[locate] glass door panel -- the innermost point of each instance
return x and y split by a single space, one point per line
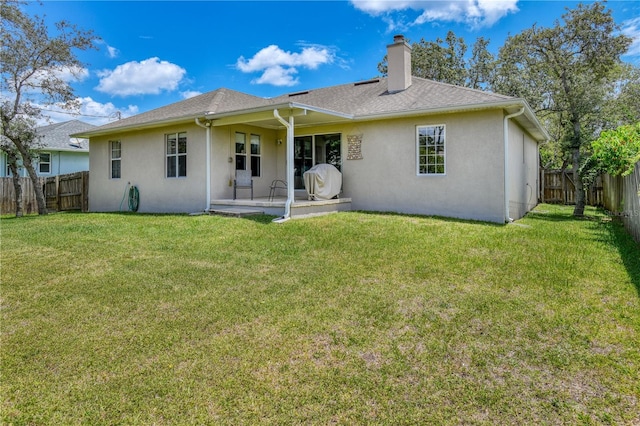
302 159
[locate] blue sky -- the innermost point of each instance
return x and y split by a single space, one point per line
154 53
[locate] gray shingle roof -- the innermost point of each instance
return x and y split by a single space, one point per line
372 98
57 136
358 100
217 101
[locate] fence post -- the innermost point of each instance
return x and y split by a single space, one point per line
544 184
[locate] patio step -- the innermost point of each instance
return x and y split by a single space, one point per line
235 211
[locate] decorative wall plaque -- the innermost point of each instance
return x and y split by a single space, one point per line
354 147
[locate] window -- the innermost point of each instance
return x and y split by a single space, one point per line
254 153
241 151
116 158
176 154
431 150
45 163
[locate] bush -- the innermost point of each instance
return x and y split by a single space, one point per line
617 151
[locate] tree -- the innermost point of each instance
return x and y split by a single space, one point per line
481 66
32 67
25 128
564 72
617 151
622 104
442 60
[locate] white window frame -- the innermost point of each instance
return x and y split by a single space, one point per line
240 150
245 152
41 163
427 156
257 156
115 159
176 156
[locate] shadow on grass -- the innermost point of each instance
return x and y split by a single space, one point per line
629 251
606 231
440 218
551 217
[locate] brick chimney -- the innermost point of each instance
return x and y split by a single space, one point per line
398 65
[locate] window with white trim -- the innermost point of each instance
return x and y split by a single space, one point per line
44 163
176 154
253 151
431 150
116 159
255 155
241 151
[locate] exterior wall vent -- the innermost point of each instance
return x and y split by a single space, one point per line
362 83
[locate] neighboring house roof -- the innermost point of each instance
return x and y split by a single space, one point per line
365 100
57 137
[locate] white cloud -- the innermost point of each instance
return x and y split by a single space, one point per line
72 74
112 51
150 76
631 28
189 94
66 74
87 110
474 13
278 66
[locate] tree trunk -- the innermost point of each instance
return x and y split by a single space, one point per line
580 195
577 181
17 187
37 188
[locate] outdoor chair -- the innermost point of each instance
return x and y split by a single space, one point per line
275 185
243 180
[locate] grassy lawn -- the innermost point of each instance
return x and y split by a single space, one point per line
352 318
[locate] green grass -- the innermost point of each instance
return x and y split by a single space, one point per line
353 318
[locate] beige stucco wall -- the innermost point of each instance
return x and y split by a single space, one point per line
386 178
523 171
143 165
223 169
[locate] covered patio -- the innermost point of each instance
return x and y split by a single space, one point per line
293 202
300 207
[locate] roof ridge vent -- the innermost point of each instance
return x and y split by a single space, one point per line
361 83
291 95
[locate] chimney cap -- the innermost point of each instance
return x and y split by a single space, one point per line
399 38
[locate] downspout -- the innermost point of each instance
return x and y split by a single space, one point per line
207 127
289 166
506 163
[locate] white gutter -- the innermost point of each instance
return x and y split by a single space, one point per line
207 127
289 166
506 163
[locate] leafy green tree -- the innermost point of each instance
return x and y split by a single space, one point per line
564 72
440 60
445 61
617 151
622 103
32 63
481 66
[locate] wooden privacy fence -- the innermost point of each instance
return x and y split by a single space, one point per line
62 193
558 188
622 199
67 192
8 196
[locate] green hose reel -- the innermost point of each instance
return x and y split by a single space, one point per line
134 199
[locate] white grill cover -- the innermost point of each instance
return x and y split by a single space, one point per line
322 182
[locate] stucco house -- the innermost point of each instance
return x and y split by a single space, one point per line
58 152
402 143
